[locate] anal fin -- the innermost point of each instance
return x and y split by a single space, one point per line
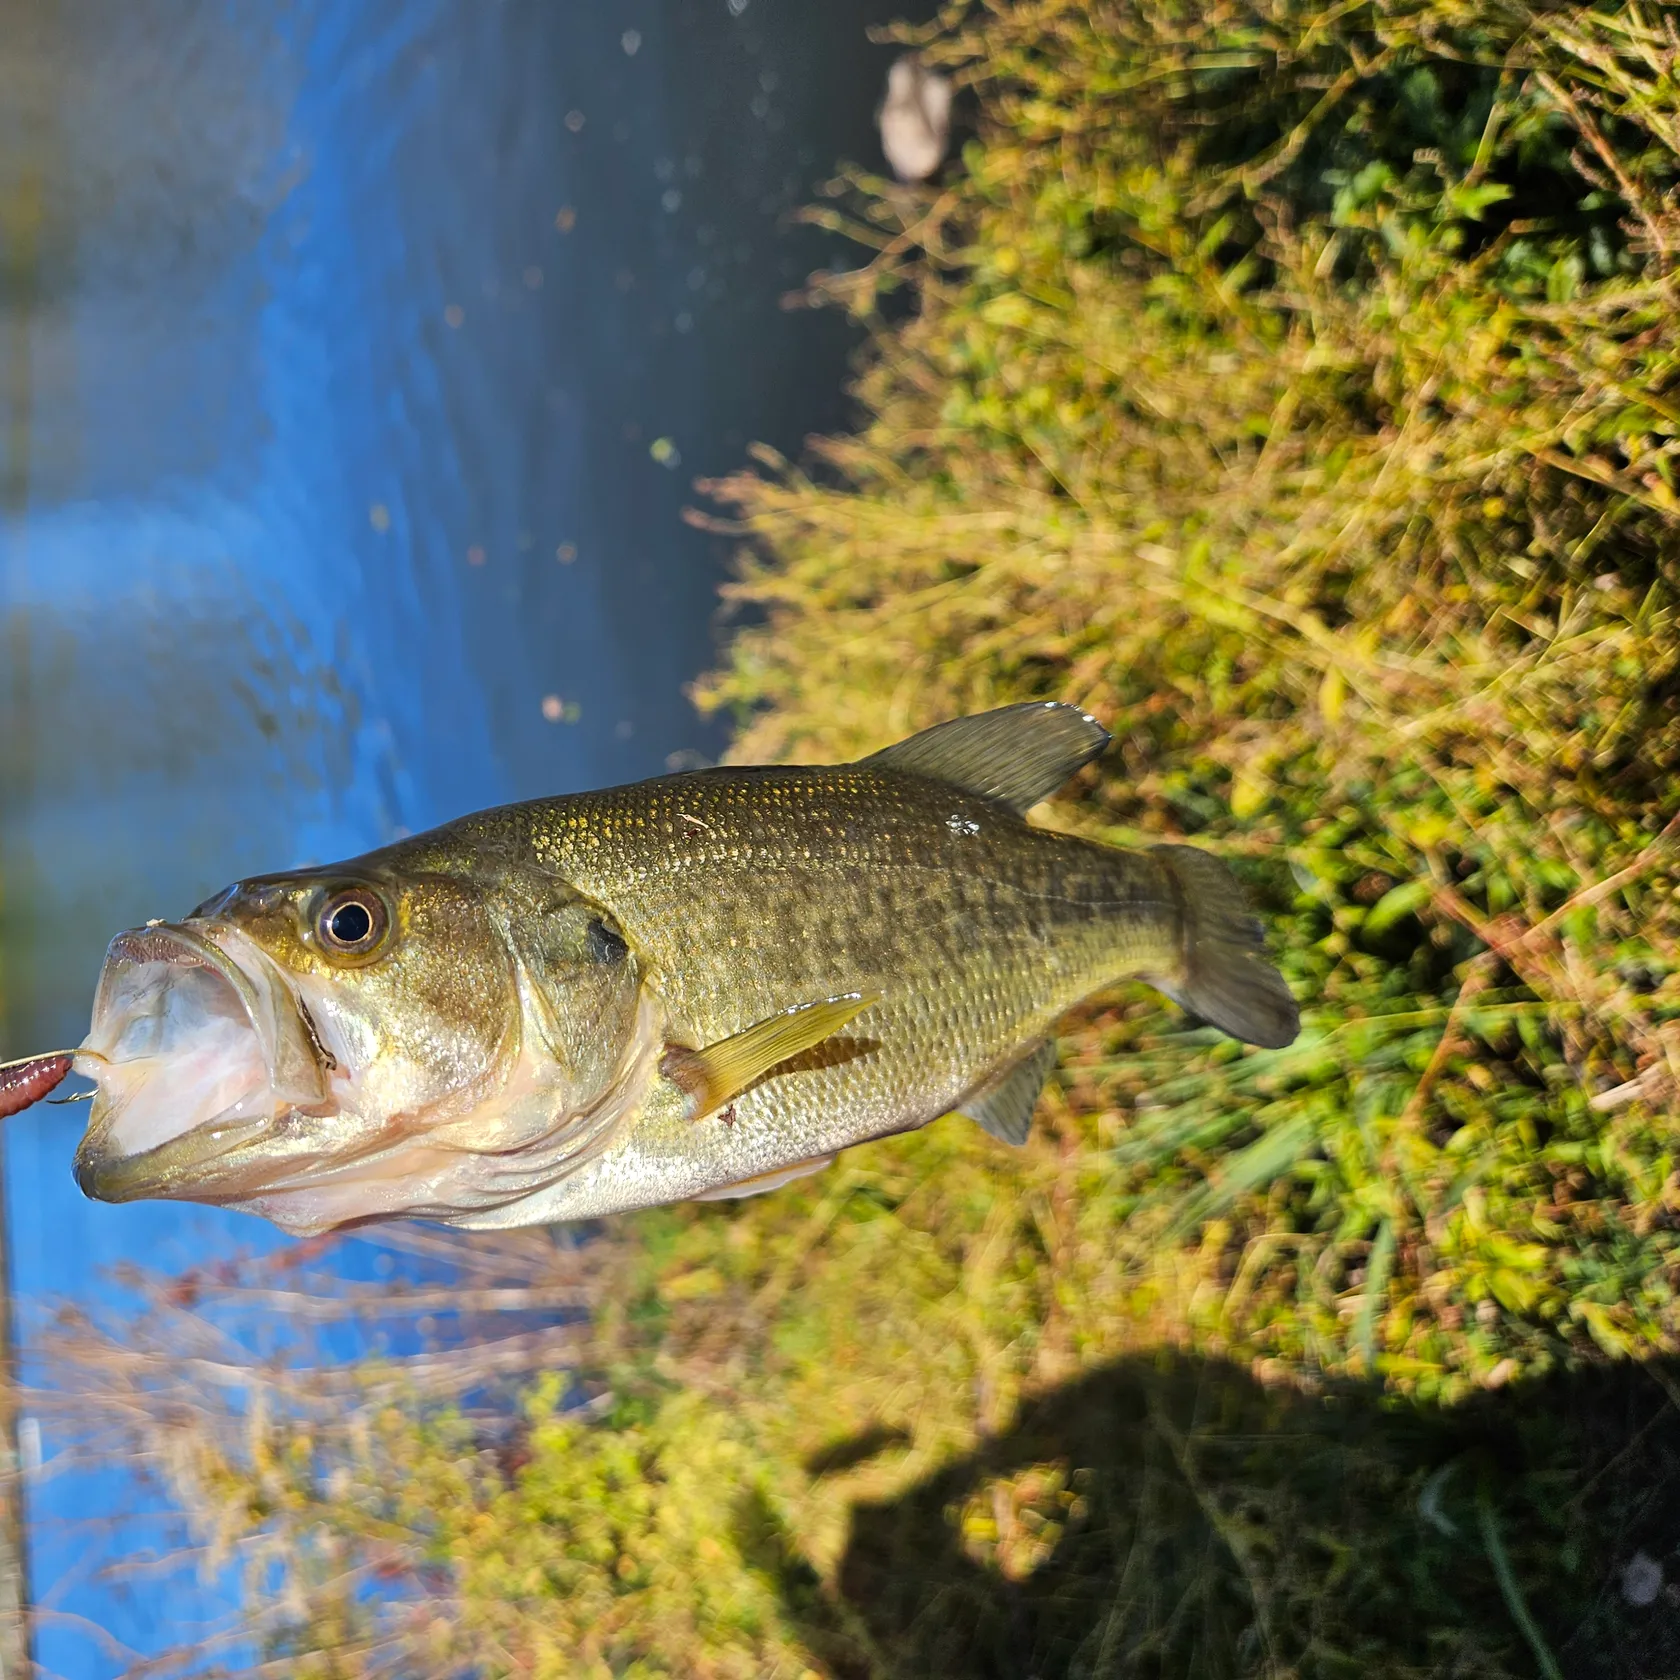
1004 1105
713 1077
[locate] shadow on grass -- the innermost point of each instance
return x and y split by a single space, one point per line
1176 1518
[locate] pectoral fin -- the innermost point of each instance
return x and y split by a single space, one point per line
1005 1106
715 1076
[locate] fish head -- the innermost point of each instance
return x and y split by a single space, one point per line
362 1042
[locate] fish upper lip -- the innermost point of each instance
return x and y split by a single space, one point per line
180 943
298 1063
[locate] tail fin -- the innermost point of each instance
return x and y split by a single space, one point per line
1226 978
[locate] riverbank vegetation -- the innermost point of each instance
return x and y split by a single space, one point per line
1296 389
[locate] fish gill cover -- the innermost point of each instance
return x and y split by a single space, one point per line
1294 388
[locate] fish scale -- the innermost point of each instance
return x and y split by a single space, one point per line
748 891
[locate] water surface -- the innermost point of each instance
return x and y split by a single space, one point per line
355 364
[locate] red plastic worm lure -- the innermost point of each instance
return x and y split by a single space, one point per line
26 1082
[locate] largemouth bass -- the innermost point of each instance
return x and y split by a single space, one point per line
706 984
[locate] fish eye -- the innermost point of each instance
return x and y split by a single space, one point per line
352 922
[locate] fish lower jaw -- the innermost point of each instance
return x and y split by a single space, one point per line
216 1160
172 1171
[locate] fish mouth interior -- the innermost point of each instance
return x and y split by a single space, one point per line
192 1052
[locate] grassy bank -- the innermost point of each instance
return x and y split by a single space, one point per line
1296 390
1287 387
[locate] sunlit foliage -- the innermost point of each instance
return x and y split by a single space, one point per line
1295 389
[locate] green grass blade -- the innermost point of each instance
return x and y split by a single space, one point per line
1249 1169
1509 1588
1377 1269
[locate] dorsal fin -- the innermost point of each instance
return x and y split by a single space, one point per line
1017 755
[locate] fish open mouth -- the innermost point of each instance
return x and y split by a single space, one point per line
199 1045
223 1078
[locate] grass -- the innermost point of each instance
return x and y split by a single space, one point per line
1295 388
1287 387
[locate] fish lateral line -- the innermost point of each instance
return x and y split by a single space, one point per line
712 1078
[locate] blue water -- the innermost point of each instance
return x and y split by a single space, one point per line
334 344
